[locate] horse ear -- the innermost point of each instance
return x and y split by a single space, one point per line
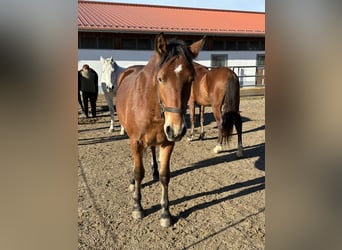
160 44
101 59
197 46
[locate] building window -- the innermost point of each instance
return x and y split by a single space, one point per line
88 43
106 43
243 45
129 43
218 45
254 45
144 44
231 45
219 60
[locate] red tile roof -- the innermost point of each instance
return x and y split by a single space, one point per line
100 16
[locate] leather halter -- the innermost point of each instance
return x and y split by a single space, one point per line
164 109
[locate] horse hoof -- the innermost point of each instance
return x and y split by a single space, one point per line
239 154
131 187
165 222
217 149
137 214
111 130
202 137
190 138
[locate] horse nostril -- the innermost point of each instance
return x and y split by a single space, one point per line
169 131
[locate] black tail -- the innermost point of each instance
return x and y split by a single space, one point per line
231 105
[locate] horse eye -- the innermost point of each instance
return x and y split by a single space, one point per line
160 79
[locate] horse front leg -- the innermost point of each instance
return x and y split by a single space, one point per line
109 100
192 119
138 174
164 178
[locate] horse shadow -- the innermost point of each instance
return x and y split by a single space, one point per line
249 186
91 129
103 139
249 152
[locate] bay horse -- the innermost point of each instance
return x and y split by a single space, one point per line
220 89
109 75
151 104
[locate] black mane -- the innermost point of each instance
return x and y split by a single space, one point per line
174 48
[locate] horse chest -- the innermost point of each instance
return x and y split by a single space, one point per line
153 135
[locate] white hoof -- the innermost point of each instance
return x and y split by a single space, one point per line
110 130
217 149
137 214
122 131
131 187
165 222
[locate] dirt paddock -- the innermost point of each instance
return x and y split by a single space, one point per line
216 200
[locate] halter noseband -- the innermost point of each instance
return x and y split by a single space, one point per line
164 109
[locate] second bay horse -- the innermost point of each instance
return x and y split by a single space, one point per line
220 89
151 103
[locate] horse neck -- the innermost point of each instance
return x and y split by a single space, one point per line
152 64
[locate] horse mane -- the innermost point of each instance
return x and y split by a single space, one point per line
174 48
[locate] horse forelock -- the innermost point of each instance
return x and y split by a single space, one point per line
176 48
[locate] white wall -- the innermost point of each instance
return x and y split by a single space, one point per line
126 58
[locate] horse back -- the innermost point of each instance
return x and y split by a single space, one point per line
224 84
129 72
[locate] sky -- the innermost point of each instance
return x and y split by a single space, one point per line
242 5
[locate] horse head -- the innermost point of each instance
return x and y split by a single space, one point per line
107 72
173 77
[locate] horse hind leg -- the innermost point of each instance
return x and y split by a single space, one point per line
122 130
154 166
111 127
202 135
238 127
217 114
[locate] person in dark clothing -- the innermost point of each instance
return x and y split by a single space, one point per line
80 102
89 87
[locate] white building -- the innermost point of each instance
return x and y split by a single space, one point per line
126 32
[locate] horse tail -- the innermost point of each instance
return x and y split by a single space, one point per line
231 103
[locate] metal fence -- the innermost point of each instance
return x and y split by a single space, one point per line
250 76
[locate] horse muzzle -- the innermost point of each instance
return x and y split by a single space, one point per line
173 134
